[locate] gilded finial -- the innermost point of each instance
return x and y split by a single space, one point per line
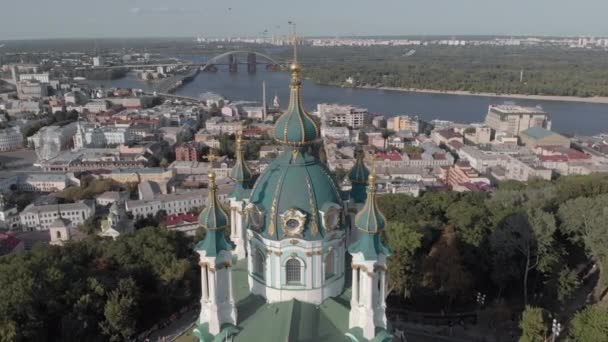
211 177
372 176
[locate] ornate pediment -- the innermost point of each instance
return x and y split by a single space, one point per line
292 222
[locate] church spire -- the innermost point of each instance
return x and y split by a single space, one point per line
358 178
295 127
370 222
214 219
241 173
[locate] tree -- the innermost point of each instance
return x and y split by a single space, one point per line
590 325
403 242
583 219
8 331
443 268
121 311
533 325
386 133
529 236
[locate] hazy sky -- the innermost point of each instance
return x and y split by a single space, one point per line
136 18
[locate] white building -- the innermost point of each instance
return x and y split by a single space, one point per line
41 217
42 78
97 106
170 203
98 61
514 119
10 139
342 114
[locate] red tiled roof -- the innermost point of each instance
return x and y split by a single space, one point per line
449 133
391 156
8 242
455 144
177 219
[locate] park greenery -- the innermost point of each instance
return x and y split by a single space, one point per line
546 71
530 245
538 244
95 289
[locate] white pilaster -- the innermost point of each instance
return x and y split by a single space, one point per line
237 231
217 297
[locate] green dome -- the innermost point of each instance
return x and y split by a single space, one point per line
296 185
213 216
214 219
296 127
359 172
370 221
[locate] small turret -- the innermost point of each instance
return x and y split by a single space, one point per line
214 219
241 173
358 176
218 308
368 306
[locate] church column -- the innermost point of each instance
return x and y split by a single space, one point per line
230 284
371 289
382 287
204 283
212 283
355 295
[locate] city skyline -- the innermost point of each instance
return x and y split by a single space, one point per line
183 18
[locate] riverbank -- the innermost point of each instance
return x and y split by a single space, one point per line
595 99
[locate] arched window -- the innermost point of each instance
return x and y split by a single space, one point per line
59 235
292 272
259 263
329 265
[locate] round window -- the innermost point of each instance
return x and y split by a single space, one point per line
292 224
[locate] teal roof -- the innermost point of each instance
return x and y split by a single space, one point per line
296 127
240 171
370 245
359 172
370 218
358 178
284 321
370 221
213 216
294 180
537 132
214 219
213 243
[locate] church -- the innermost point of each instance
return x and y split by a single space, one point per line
303 260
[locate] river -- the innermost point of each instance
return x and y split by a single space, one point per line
567 117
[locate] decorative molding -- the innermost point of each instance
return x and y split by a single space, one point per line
314 228
293 222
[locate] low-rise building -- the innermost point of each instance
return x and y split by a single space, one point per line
110 197
10 139
404 123
461 174
40 217
446 136
186 152
350 116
